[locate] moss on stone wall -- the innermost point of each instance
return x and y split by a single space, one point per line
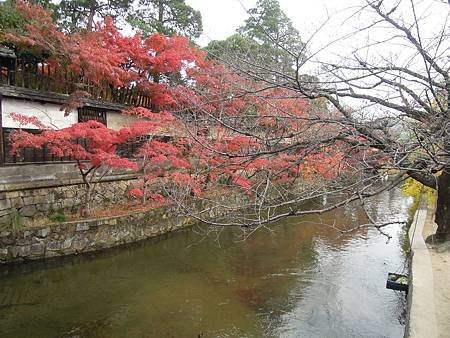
39 203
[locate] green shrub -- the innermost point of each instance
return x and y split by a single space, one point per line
16 221
57 218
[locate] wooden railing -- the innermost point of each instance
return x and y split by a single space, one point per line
32 73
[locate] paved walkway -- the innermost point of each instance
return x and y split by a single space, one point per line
440 258
430 272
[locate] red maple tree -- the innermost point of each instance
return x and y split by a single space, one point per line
227 131
91 145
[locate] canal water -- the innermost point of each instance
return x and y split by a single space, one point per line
296 279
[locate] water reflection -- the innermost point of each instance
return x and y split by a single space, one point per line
299 280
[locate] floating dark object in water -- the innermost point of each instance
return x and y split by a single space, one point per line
397 282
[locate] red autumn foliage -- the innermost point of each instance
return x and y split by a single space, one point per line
90 144
105 57
228 129
100 144
23 120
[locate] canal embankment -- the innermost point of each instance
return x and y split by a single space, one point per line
39 213
30 194
87 235
429 287
56 239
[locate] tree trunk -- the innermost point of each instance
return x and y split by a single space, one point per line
443 205
161 13
90 20
85 210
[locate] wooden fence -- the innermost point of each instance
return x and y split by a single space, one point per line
32 73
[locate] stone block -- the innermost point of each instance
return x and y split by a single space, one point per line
56 206
5 212
80 244
8 241
67 243
22 241
43 232
54 246
13 251
5 220
69 251
49 254
43 207
5 204
109 195
70 193
12 194
28 211
47 199
28 233
4 254
82 227
37 249
5 234
67 203
24 251
28 200
41 192
16 202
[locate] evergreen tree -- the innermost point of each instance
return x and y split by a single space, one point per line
80 14
10 18
267 38
167 17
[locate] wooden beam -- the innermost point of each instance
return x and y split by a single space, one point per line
39 96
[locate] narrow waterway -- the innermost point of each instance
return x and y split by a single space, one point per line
297 280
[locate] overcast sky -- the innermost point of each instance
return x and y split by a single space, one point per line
222 17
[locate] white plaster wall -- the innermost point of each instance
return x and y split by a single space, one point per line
48 113
116 120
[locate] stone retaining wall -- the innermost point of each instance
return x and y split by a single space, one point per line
88 235
21 204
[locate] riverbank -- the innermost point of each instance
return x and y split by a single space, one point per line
115 228
429 296
81 236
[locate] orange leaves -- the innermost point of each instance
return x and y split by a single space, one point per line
238 145
157 118
101 54
169 53
42 34
136 193
75 100
87 141
23 120
242 182
326 164
107 58
244 132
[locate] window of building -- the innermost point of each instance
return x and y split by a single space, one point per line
90 113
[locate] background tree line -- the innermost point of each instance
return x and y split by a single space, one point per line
167 17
